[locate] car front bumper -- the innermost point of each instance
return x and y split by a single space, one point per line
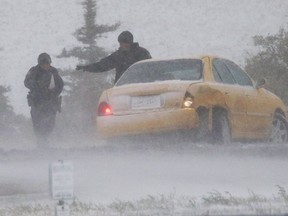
147 122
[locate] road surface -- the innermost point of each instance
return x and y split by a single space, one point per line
130 171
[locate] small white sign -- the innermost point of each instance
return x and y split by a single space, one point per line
62 180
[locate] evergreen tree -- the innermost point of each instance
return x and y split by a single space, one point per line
88 35
83 89
271 62
6 110
13 128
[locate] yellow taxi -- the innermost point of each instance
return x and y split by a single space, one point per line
207 97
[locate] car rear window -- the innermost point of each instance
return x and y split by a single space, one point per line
180 69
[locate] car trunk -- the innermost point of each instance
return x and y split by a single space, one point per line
147 97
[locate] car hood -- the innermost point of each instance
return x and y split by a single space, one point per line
164 95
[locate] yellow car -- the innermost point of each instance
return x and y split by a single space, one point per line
207 96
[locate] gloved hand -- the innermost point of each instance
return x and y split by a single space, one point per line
80 67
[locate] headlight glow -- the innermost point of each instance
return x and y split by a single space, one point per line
188 102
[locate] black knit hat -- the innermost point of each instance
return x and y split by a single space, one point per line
44 58
125 37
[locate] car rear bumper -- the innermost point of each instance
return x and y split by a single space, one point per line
143 123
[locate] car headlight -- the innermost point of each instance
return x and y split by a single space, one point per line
188 102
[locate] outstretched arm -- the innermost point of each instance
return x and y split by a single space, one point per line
104 64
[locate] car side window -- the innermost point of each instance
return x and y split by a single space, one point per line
216 75
221 72
239 75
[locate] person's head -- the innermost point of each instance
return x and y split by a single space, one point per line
44 60
125 40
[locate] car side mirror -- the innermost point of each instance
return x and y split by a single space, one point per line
260 83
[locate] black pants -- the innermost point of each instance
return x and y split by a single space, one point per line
43 118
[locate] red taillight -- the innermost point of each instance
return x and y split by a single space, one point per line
104 109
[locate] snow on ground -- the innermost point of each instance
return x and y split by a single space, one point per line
158 177
167 28
134 170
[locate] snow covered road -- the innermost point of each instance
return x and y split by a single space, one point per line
131 171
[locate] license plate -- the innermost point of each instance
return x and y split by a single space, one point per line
145 102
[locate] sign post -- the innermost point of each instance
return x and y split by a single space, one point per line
62 185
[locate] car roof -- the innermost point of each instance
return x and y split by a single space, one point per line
200 57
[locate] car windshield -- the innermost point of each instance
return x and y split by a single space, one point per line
181 69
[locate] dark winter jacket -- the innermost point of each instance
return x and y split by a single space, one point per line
39 80
120 60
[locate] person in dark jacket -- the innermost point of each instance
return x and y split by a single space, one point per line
127 54
45 85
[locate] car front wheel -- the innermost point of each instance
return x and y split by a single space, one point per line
279 133
221 129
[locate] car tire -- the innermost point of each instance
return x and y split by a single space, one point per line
279 132
202 132
221 129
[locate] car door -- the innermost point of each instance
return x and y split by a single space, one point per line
258 113
234 96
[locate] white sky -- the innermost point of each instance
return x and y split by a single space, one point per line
167 28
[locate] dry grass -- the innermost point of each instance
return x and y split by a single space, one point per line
213 203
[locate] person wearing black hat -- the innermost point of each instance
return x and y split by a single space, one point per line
128 53
45 85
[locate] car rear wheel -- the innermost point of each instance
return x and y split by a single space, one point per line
221 129
279 133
